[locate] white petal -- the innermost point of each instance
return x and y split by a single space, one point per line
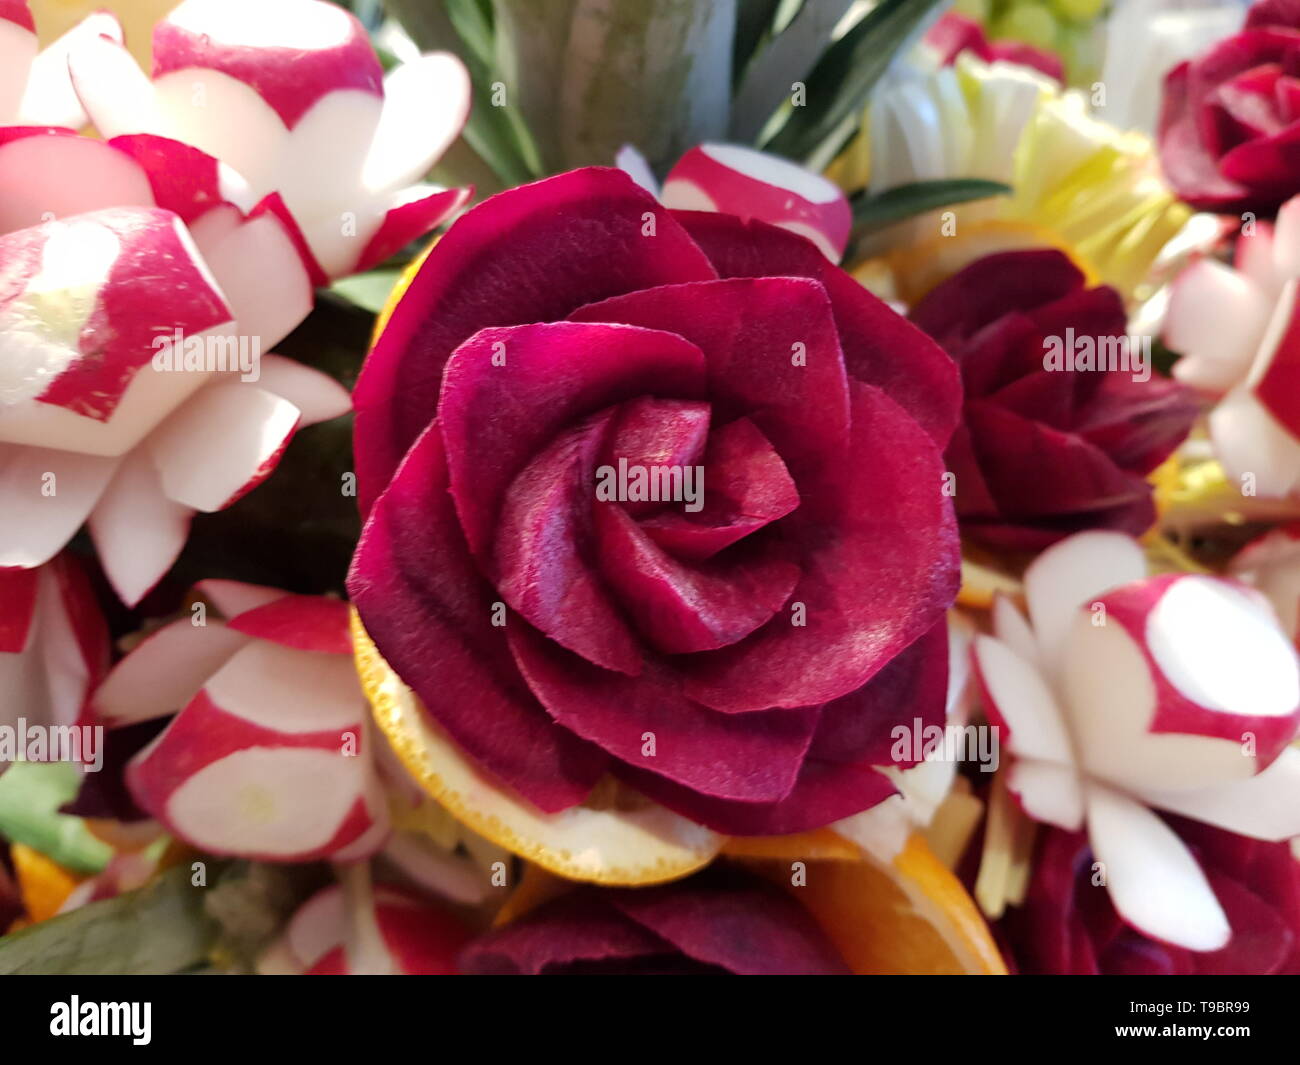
1152 877
165 671
1069 575
50 99
45 496
115 92
634 164
1265 806
1023 702
318 396
138 531
1216 319
1011 627
221 442
290 691
52 176
426 103
1252 444
1048 792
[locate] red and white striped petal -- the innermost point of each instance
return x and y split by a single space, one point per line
232 598
1153 879
426 102
1265 806
65 649
1048 792
18 48
50 99
1019 701
317 396
109 267
165 671
269 760
262 276
1186 682
753 184
1071 574
292 53
412 214
300 622
1216 319
222 444
379 930
138 532
1275 376
45 496
53 173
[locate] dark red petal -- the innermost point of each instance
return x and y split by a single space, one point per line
1283 14
992 287
509 391
742 924
772 353
544 546
582 927
531 254
838 778
824 792
878 571
911 691
681 608
657 432
430 614
748 487
1035 471
745 757
880 347
1139 423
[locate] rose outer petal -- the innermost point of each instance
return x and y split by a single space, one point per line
430 614
532 254
880 347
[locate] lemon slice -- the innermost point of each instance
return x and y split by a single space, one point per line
615 837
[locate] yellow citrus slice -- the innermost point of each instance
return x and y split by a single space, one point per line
908 917
616 837
399 290
43 884
980 584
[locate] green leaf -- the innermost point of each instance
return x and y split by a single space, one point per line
838 86
30 796
370 290
494 134
159 929
872 213
788 58
754 20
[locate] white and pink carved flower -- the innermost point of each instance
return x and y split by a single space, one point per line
1124 694
268 755
1238 330
290 95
